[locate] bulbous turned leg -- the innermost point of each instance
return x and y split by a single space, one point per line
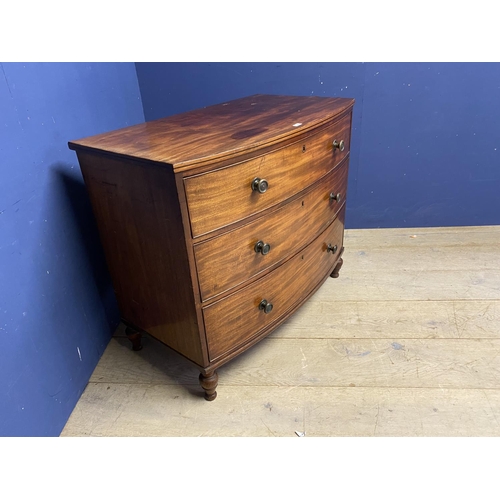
134 337
209 383
336 269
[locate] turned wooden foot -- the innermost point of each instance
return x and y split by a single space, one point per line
209 384
134 337
336 269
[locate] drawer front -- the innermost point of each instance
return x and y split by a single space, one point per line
231 259
218 198
236 319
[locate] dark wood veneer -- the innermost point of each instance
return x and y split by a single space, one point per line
214 132
220 197
233 320
141 230
286 230
178 219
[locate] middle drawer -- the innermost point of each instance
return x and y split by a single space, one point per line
234 257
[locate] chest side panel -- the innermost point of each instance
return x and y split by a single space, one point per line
139 220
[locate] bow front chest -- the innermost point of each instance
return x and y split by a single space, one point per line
217 224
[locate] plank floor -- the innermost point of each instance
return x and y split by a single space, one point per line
412 349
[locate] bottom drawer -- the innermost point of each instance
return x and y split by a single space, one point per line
236 319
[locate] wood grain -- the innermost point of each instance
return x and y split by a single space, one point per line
418 284
234 320
159 410
142 183
324 317
155 363
224 196
424 258
438 238
394 362
229 260
432 363
141 231
223 130
438 264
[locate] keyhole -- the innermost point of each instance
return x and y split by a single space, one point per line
302 203
304 148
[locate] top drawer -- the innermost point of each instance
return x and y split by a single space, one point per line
221 197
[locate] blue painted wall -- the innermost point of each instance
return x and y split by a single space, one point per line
426 137
425 152
57 307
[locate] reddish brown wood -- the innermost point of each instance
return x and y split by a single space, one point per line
336 270
209 383
266 331
286 230
135 338
141 230
151 185
237 318
224 196
215 132
335 273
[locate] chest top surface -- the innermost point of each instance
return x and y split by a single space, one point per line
220 131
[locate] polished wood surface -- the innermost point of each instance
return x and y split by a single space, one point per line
225 196
336 271
140 227
209 384
179 221
234 320
222 130
229 260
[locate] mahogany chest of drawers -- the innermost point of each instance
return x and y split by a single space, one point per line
217 224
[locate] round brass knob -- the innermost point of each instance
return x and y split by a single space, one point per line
331 248
335 197
262 247
265 306
339 145
260 185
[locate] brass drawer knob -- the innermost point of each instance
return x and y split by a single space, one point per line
266 306
260 185
335 197
339 145
331 248
262 247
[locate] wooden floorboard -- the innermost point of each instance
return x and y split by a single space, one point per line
412 349
439 237
324 318
163 410
434 363
417 285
